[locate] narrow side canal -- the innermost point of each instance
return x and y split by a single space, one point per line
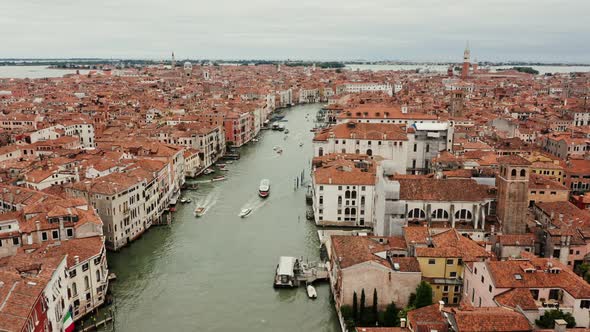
215 273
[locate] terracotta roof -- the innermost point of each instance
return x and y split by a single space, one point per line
431 189
517 298
352 250
514 160
452 244
490 319
364 131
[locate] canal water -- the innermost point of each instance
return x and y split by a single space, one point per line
215 273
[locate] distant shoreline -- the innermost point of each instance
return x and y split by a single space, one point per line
79 63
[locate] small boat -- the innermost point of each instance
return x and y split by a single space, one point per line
221 165
311 292
229 162
218 178
185 200
264 188
208 171
300 143
286 131
255 140
200 211
245 212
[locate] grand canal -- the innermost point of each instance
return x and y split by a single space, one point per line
215 273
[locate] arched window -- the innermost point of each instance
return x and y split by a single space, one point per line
369 152
353 194
347 211
440 214
362 200
339 200
416 214
353 211
97 275
513 172
343 150
347 194
522 173
463 214
321 152
74 289
357 151
86 283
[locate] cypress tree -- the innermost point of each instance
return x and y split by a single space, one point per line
375 317
362 314
355 308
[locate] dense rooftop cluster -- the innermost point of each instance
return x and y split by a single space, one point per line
463 181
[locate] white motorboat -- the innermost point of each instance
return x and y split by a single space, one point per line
245 212
300 143
264 188
185 200
255 140
208 171
311 292
200 211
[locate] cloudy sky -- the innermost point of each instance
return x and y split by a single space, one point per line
536 30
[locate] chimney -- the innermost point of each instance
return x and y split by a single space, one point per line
402 322
560 325
441 305
77 260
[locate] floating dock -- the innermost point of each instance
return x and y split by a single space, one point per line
293 272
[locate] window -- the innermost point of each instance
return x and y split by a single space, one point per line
415 147
15 241
86 282
482 279
440 214
522 173
450 261
513 172
535 294
321 188
416 213
490 288
453 274
44 236
431 261
85 267
554 294
73 273
585 304
55 234
70 232
445 288
74 289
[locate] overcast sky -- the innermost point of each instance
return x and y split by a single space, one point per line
537 30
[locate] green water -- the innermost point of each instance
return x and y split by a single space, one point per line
215 273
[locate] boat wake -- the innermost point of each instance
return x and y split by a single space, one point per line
208 201
254 204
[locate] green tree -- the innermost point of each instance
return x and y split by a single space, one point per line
583 270
375 315
412 300
547 321
355 307
423 295
348 315
390 316
362 313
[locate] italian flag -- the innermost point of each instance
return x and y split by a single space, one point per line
68 322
